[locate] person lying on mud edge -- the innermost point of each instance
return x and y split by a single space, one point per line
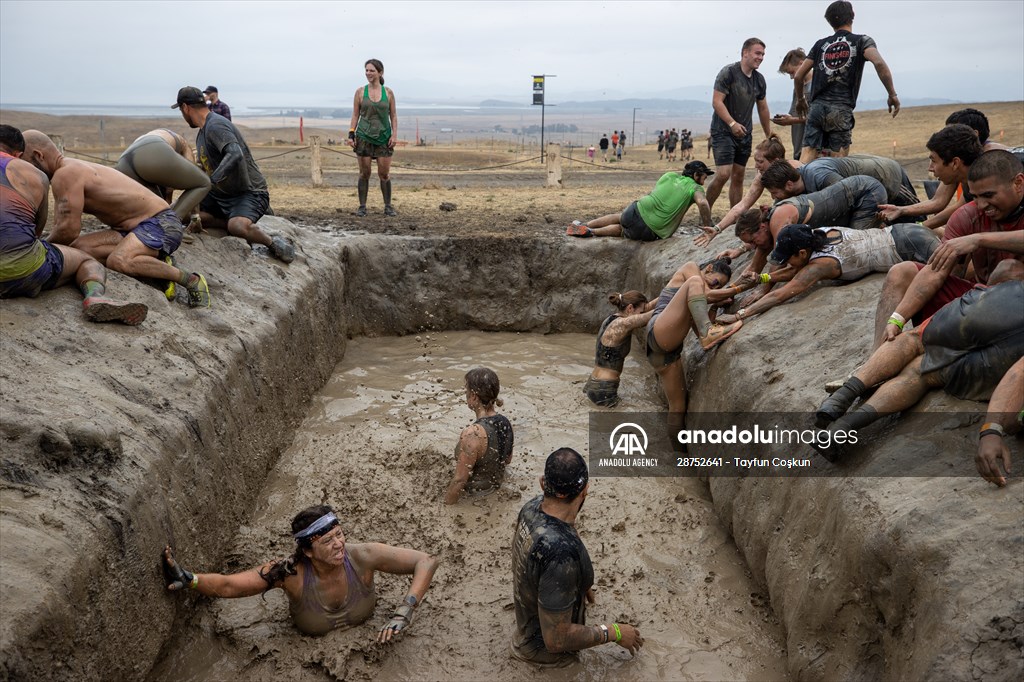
658 214
329 583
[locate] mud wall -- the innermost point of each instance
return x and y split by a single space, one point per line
116 440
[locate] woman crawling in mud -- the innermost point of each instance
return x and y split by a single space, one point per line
329 584
614 339
485 446
842 253
683 304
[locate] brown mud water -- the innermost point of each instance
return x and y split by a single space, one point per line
209 429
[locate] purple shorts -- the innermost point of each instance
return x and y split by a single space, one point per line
161 233
45 276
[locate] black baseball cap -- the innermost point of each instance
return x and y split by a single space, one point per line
565 474
791 239
695 167
189 95
211 88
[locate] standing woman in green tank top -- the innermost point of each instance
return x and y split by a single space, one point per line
373 133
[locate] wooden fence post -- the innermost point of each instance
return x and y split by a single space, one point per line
314 157
554 164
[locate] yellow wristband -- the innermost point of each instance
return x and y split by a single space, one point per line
618 632
765 278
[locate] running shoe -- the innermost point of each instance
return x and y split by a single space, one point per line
578 229
719 333
100 309
169 291
389 211
282 250
198 293
360 212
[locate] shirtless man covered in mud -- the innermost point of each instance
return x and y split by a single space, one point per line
28 264
162 161
143 227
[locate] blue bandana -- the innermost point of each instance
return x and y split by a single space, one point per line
318 527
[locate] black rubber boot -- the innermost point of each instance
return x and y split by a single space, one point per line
836 405
854 421
364 189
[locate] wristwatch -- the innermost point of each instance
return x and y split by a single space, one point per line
411 600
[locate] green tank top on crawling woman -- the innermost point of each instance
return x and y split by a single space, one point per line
374 118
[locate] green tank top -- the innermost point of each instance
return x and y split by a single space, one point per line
374 118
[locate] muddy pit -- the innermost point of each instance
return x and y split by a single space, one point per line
209 429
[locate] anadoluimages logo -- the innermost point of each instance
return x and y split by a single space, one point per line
628 442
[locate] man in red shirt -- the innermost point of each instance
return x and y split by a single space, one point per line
988 230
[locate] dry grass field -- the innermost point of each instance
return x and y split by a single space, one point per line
494 185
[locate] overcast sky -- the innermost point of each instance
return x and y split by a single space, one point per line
312 53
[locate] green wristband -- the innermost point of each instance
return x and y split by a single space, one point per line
618 632
893 320
765 278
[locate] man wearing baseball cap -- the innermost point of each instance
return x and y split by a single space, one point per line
239 196
658 214
217 105
552 574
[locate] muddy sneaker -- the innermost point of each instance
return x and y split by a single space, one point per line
100 309
198 292
719 333
360 212
282 250
389 211
578 229
170 291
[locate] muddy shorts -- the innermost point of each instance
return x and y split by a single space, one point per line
828 126
973 341
658 357
45 277
161 233
251 205
914 241
634 227
729 150
602 392
374 151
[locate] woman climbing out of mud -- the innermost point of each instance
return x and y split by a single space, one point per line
683 304
485 446
329 583
614 339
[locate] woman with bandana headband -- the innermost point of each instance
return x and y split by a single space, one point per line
329 583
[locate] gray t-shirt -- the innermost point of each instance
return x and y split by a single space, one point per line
550 569
212 140
824 172
741 93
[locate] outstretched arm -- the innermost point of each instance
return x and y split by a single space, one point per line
1007 401
885 75
401 561
244 584
623 327
943 195
809 275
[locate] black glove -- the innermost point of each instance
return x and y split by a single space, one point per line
177 578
